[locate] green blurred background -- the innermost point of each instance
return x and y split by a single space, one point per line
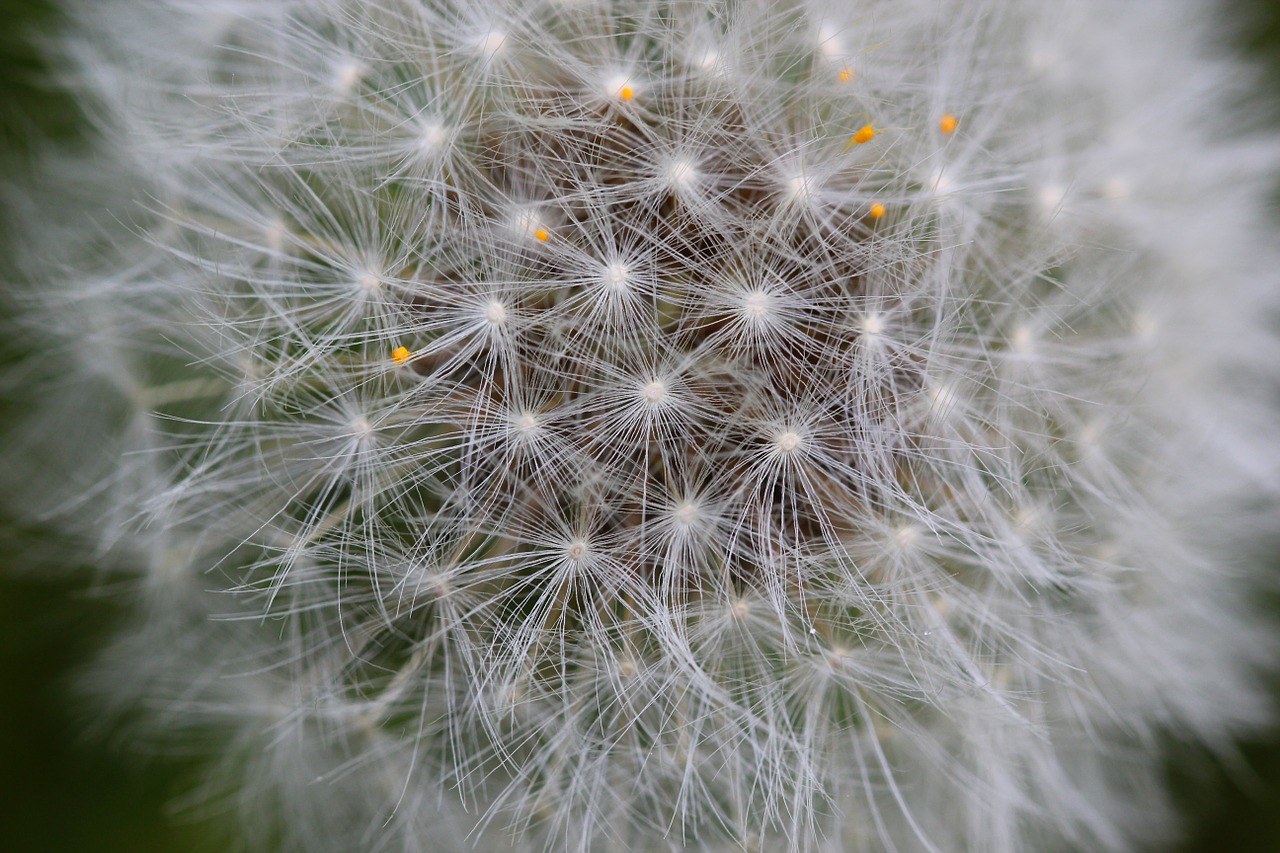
65 790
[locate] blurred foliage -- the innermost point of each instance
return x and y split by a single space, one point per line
63 790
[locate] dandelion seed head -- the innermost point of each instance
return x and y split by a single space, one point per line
576 424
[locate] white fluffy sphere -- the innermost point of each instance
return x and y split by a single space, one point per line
672 424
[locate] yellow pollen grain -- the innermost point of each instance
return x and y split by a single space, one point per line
877 210
845 74
541 234
863 134
948 122
626 93
400 354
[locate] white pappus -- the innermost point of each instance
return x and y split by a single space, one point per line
819 425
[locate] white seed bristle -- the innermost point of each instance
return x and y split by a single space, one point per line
687 513
941 183
756 304
680 174
491 43
495 312
788 441
620 87
1145 325
707 59
654 391
616 276
1028 518
274 234
1050 199
432 137
942 395
577 550
798 189
1117 189
346 76
829 43
527 423
361 428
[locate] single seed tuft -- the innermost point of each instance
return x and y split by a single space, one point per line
495 312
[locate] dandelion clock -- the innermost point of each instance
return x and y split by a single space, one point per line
662 425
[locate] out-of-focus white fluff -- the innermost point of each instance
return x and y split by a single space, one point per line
671 425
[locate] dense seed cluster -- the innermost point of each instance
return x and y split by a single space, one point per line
673 423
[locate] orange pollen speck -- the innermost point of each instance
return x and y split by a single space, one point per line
845 74
626 93
400 354
947 123
541 234
864 134
877 210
